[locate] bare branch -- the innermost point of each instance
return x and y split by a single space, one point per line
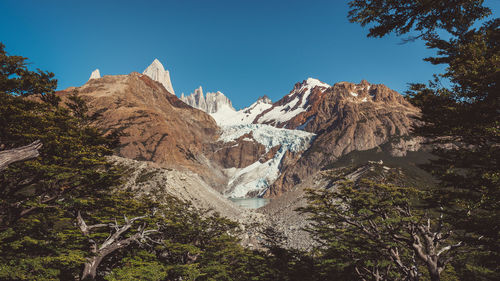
22 153
449 248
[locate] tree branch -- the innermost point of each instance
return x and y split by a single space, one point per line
22 153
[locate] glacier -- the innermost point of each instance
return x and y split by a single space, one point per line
258 176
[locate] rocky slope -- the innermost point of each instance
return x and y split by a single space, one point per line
280 212
157 126
147 178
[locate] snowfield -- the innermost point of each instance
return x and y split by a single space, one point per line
227 116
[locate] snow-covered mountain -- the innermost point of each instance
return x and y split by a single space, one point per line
157 72
244 116
296 102
221 109
262 150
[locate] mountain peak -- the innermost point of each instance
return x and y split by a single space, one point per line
95 74
264 99
364 83
211 103
157 72
313 82
157 62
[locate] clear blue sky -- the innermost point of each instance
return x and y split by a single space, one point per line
243 48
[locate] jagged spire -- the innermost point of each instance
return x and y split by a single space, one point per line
157 72
95 75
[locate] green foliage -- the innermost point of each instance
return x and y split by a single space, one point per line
38 197
16 79
40 200
373 231
141 266
462 119
424 17
338 224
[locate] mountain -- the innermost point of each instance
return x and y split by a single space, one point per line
157 126
157 72
263 150
345 117
95 74
243 116
336 120
296 102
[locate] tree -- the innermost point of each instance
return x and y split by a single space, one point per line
461 120
38 196
61 212
377 232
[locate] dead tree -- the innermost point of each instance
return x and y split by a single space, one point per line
115 241
22 153
429 241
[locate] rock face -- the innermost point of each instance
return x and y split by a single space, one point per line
158 127
157 72
95 74
212 103
239 153
345 117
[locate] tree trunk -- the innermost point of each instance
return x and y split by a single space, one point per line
433 271
90 269
19 154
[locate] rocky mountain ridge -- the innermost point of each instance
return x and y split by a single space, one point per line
156 125
263 150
